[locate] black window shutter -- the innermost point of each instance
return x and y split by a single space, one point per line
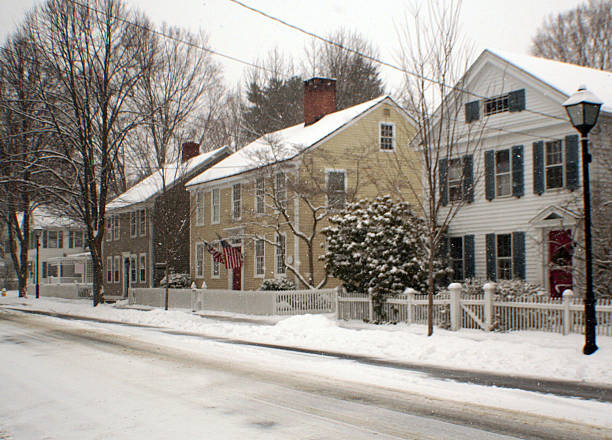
516 100
443 180
571 162
538 167
518 255
468 178
44 239
472 110
489 175
518 185
491 257
468 256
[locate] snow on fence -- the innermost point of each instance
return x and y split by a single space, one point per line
486 311
288 302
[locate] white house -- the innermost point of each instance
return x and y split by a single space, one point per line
526 203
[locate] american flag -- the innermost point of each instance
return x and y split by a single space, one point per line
217 256
233 257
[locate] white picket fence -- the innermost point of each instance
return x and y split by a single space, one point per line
487 311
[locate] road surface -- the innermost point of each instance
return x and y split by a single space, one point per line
65 380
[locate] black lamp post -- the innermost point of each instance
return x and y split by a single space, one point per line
583 110
37 233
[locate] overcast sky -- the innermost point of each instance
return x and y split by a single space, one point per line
236 31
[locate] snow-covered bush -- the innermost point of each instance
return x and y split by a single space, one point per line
177 281
277 284
505 288
378 247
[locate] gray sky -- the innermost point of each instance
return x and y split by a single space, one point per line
236 31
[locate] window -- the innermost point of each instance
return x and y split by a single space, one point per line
503 177
215 267
456 258
280 267
455 178
75 239
280 190
236 201
45 269
199 208
216 206
199 260
109 228
142 222
554 165
117 227
109 269
260 191
504 256
142 266
336 188
53 239
133 223
260 268
133 270
496 105
116 269
387 138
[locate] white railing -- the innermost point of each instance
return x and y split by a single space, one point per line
486 311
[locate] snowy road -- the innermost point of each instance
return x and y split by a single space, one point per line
64 380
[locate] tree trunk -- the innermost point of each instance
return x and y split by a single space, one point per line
430 293
98 270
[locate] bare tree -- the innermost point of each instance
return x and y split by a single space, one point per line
580 36
92 51
435 58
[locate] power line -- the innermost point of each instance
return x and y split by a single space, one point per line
374 59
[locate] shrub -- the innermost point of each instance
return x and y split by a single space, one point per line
505 288
177 281
277 284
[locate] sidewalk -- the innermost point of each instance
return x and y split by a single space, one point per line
566 388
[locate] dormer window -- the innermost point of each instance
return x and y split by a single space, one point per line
496 105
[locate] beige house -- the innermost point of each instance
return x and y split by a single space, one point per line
271 198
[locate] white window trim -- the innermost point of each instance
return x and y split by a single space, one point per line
199 271
134 267
563 166
393 137
133 224
142 232
255 274
509 173
263 196
109 270
234 200
277 193
109 228
214 221
460 180
117 228
142 279
497 257
334 170
200 212
215 264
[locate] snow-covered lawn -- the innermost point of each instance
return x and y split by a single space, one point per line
534 354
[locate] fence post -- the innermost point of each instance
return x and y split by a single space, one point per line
370 307
489 293
568 294
409 292
455 305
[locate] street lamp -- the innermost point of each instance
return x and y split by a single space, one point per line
37 234
583 110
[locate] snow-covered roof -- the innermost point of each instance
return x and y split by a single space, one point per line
564 77
44 218
150 186
283 144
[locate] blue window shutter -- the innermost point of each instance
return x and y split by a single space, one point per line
571 162
443 180
489 175
518 255
491 257
468 256
468 178
516 100
518 186
472 111
538 167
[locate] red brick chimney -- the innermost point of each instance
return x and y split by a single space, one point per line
189 150
319 99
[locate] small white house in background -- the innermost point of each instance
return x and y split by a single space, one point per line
526 206
63 255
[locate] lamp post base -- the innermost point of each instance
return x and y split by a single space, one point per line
589 348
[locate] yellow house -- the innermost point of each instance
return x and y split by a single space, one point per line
271 198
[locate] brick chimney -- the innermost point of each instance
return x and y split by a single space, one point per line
319 98
189 150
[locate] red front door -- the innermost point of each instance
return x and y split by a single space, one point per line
559 262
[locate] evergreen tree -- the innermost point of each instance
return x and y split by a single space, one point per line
379 247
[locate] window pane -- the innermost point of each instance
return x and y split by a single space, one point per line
504 245
259 195
503 185
336 194
554 177
502 161
386 137
456 247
